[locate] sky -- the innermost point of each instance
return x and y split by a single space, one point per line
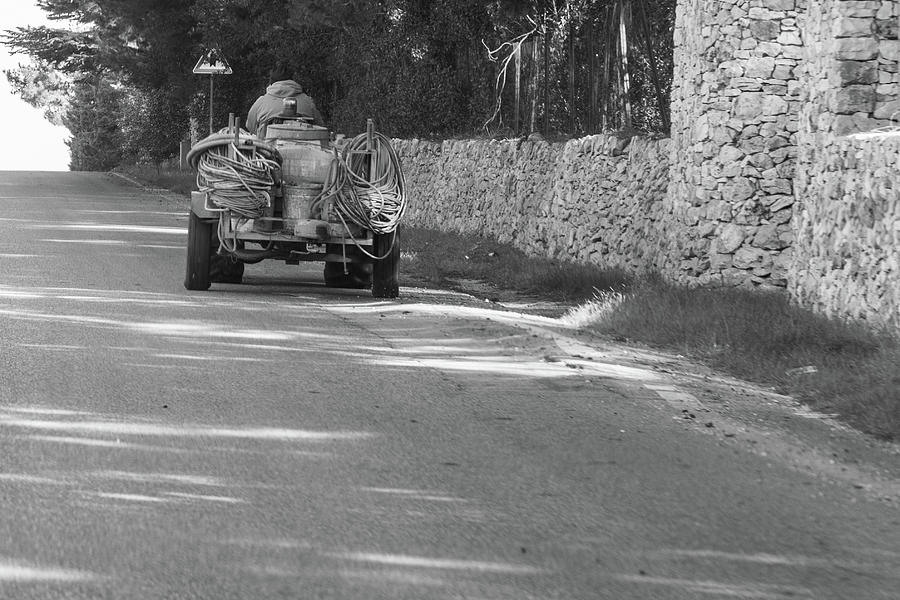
31 142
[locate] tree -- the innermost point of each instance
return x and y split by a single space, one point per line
41 87
152 124
92 118
418 67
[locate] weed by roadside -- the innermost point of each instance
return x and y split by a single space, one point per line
832 365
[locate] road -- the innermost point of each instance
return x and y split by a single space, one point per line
278 439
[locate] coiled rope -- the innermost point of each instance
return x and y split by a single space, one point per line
370 196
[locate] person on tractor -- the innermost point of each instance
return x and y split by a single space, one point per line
271 104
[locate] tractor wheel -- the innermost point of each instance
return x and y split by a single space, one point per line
358 275
196 276
386 272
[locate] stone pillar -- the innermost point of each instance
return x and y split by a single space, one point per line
844 259
735 101
850 83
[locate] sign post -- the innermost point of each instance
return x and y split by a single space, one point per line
212 63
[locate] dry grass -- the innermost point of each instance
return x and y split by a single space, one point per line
179 182
832 365
441 258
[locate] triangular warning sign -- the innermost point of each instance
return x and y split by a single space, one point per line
212 63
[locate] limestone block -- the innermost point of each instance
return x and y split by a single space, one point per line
780 5
719 262
738 189
847 124
773 105
770 49
707 229
765 14
784 73
855 48
730 154
747 171
886 28
781 203
789 39
771 237
782 216
889 50
847 72
886 10
719 210
792 52
853 99
764 30
735 277
759 66
846 26
730 69
888 110
859 8
730 238
753 145
776 186
748 105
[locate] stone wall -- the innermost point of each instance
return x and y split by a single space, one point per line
848 230
847 215
850 77
759 185
596 199
735 104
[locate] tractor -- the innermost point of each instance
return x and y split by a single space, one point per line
293 193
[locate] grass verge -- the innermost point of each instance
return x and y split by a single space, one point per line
833 366
445 259
179 182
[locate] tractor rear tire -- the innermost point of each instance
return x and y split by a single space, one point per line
196 276
386 272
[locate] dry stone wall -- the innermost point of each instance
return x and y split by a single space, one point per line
759 186
848 230
850 81
847 217
735 103
597 199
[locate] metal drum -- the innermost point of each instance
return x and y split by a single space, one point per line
303 162
298 201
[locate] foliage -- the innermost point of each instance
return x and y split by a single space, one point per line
92 118
41 87
153 123
418 67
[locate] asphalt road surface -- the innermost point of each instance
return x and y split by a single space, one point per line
278 439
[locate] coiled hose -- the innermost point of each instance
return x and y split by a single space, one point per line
369 195
239 183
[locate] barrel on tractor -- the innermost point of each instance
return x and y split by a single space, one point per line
290 193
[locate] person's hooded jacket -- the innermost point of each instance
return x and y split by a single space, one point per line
271 104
